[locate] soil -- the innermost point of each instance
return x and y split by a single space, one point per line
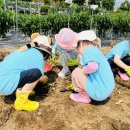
58 112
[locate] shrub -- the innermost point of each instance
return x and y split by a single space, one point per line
119 22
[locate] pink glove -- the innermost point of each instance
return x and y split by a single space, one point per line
90 68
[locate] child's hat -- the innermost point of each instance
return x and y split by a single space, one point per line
43 44
34 35
65 38
87 35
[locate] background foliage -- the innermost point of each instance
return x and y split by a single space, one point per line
119 22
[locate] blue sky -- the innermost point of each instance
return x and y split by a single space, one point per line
118 2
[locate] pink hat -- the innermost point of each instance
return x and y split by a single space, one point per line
65 38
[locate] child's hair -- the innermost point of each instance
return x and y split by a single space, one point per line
49 39
45 54
113 43
97 42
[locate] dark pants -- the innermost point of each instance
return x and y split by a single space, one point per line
29 76
115 68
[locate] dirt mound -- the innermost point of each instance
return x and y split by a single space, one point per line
58 112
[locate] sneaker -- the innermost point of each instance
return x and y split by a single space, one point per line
123 76
80 97
64 72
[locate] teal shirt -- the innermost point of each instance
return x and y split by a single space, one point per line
14 64
100 84
121 49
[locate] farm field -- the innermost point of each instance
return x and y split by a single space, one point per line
58 112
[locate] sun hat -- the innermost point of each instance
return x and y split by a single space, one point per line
34 35
87 35
65 38
43 44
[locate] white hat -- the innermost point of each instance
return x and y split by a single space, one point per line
88 35
43 40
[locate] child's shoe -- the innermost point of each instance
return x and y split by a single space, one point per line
23 103
123 76
64 72
80 97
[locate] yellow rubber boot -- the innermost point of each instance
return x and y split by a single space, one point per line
31 92
23 103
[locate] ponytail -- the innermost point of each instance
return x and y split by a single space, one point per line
97 42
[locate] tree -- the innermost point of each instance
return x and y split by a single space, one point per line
94 2
1 3
125 6
106 4
26 0
79 2
47 1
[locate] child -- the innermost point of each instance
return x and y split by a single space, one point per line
95 79
24 68
64 41
119 58
47 67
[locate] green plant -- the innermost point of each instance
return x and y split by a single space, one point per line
6 22
119 22
122 23
103 23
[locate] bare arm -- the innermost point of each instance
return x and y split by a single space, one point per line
119 62
43 79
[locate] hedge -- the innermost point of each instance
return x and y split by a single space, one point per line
119 22
6 22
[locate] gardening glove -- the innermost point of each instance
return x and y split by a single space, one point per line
129 54
128 70
72 62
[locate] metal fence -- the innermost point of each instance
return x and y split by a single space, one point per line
17 38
